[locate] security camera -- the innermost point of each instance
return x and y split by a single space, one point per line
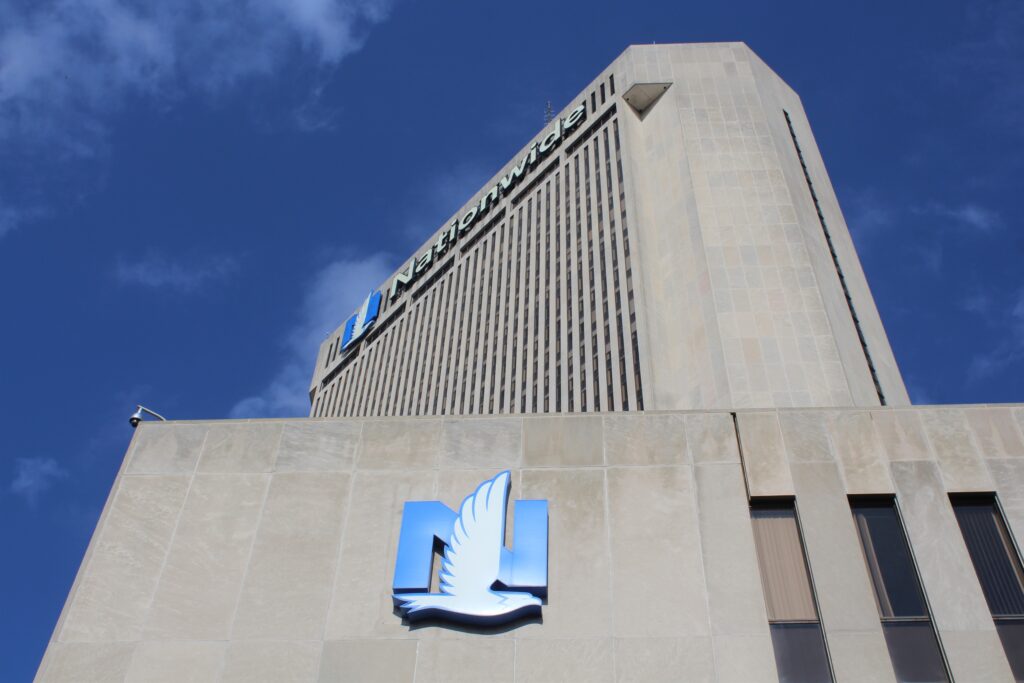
140 412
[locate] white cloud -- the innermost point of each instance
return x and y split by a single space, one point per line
157 272
68 66
86 54
334 293
33 476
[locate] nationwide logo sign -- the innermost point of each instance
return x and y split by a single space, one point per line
481 581
361 322
538 151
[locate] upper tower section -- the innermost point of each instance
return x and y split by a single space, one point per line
669 241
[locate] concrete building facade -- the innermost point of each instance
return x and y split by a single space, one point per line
264 550
670 241
658 325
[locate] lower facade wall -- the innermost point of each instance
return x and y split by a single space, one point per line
265 550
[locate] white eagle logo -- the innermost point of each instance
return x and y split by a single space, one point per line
471 563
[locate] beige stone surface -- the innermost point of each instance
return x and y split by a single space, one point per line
240 448
117 584
902 435
649 660
734 594
859 450
845 598
369 661
400 444
579 563
655 535
167 661
640 439
963 468
711 437
1009 477
466 661
562 442
287 588
860 656
563 659
763 451
329 445
86 662
262 661
481 443
976 656
805 435
995 432
161 448
947 573
199 585
745 659
360 604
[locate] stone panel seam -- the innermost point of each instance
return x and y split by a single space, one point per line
341 546
252 550
170 541
694 501
610 559
739 450
84 568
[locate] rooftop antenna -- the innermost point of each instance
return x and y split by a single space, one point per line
140 412
549 113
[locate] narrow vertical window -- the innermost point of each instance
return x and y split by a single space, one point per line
998 565
906 621
799 646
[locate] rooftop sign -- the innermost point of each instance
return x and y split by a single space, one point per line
538 151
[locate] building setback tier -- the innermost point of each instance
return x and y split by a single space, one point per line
264 550
669 241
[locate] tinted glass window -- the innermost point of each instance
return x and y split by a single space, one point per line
800 655
999 571
889 562
906 622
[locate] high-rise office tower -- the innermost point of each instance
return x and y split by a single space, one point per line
669 241
630 415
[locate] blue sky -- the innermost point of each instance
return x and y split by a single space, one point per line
191 197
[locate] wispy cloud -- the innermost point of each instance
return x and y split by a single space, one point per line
436 200
33 476
920 395
334 293
870 215
313 115
67 66
964 217
991 58
1009 321
157 272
